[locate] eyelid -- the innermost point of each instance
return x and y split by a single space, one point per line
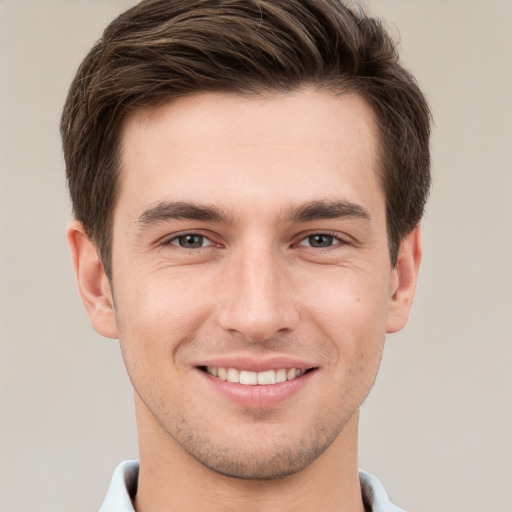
340 240
206 242
169 239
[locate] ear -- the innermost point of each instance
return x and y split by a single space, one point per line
92 281
404 282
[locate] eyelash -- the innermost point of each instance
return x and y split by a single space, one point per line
177 238
333 239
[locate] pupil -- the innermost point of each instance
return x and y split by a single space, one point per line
320 240
191 241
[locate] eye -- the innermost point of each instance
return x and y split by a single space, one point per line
320 241
190 241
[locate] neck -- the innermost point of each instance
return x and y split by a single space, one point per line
170 479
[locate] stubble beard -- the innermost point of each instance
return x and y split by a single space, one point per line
246 458
245 451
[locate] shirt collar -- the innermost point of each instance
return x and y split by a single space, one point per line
374 495
124 487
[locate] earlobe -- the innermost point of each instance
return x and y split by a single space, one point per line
92 282
406 277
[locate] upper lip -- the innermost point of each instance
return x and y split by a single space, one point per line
257 364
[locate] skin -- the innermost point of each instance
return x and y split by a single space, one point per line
265 277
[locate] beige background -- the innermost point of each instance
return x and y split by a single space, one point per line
437 429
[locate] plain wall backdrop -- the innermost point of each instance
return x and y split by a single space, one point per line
437 428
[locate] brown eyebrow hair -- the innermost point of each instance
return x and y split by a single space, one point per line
180 210
318 210
312 210
160 50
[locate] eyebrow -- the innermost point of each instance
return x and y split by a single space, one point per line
310 211
180 210
320 210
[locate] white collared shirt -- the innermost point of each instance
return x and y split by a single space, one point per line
124 486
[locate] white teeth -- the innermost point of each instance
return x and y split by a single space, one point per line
268 377
281 375
233 375
249 378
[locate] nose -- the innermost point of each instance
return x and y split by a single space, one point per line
256 301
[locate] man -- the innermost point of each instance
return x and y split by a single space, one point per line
248 178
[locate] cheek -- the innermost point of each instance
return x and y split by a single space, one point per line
156 316
351 312
162 300
349 300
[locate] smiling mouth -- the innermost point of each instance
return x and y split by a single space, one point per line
249 378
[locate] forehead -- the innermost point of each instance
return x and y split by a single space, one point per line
228 150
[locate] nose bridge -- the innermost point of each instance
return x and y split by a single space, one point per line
256 303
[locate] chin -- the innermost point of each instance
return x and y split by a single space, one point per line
285 461
259 457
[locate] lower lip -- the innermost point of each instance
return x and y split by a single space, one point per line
258 397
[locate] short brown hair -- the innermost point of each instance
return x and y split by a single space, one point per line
162 49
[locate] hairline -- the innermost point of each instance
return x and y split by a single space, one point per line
338 86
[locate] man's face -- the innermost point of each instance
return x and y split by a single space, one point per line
250 243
